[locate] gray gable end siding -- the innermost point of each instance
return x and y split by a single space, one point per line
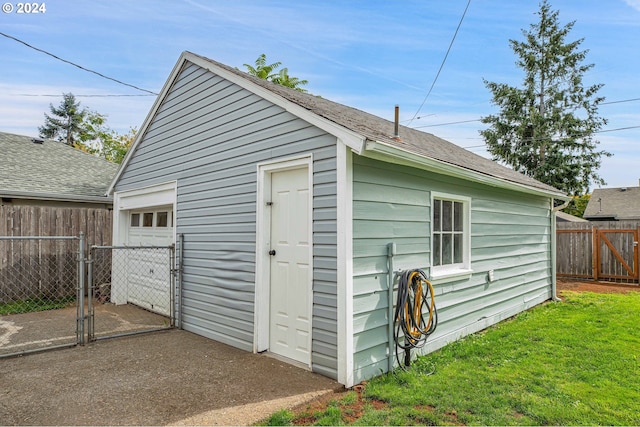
510 234
208 135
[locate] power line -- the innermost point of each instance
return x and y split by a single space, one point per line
76 65
618 102
449 123
443 61
569 136
83 96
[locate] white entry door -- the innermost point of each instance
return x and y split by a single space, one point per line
290 278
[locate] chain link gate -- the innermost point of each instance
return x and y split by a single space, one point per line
50 290
131 290
41 293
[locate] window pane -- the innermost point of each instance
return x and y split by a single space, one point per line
436 249
147 219
447 249
437 215
457 248
162 219
458 215
447 215
135 220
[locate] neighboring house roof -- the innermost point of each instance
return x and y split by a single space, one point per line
614 203
565 217
364 132
51 170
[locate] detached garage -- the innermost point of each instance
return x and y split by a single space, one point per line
287 204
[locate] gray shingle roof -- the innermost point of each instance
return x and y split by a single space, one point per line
618 203
51 168
378 129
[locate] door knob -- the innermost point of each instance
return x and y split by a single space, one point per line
272 252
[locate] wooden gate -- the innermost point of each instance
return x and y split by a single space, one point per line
617 254
599 251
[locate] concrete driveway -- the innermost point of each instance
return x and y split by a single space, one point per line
163 378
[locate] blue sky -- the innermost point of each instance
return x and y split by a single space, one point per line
366 54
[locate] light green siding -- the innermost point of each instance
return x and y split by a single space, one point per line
510 234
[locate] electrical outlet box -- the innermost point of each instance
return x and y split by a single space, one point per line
490 276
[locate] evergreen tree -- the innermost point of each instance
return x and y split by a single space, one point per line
545 128
66 123
85 130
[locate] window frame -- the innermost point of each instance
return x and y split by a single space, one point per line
453 271
155 217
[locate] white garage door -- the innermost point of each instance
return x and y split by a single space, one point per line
148 270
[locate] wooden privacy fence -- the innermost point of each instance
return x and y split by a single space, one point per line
49 263
603 250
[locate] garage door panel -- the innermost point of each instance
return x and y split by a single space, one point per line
148 277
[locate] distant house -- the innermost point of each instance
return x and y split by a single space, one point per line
613 204
565 217
288 206
49 188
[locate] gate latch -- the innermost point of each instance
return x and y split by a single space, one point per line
272 252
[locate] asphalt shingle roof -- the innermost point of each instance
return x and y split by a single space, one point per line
51 168
619 203
378 129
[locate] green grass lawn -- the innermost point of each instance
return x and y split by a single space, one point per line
35 304
575 362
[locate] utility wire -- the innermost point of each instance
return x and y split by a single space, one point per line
568 136
76 65
83 96
442 64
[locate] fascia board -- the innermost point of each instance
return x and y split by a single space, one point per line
350 138
385 152
55 197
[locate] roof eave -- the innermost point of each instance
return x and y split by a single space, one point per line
55 197
386 152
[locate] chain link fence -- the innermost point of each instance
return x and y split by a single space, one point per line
39 276
132 290
54 293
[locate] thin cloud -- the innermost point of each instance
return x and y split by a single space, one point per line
634 4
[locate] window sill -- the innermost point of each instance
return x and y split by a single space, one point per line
450 275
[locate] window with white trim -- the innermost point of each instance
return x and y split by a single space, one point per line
450 235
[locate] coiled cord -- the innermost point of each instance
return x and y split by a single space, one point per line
415 316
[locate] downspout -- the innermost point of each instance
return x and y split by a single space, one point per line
554 248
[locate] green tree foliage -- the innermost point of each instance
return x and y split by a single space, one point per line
85 130
266 71
577 205
69 122
545 127
115 146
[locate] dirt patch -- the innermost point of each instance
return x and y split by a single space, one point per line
597 287
351 410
